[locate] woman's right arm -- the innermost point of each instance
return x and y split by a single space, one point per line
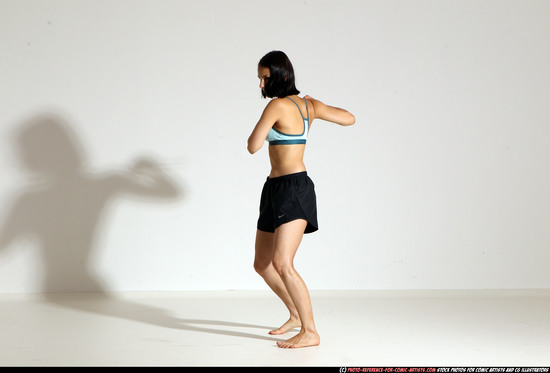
331 113
267 120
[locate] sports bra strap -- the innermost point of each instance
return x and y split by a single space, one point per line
307 109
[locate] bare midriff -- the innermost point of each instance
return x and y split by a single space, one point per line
286 159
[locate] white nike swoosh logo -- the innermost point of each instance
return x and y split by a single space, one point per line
278 217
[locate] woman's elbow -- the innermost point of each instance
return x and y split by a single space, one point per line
350 121
252 148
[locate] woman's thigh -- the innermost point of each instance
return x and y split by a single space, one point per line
287 239
263 249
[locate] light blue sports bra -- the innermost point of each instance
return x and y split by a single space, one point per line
278 138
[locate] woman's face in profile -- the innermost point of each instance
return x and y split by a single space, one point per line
263 74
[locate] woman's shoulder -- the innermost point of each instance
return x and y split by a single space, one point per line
290 102
278 104
275 102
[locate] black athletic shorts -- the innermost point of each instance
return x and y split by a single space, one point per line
287 198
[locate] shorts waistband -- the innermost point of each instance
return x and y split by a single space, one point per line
288 176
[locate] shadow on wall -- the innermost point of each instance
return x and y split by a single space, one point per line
62 209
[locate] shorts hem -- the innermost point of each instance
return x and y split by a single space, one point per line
267 230
310 228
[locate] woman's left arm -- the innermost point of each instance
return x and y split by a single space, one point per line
267 120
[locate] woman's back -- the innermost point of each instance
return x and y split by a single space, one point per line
294 122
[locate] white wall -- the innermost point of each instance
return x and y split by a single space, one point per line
442 183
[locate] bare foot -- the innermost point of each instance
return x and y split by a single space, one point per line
303 339
290 324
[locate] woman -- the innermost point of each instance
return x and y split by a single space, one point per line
288 206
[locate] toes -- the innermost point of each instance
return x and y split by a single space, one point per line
287 344
298 341
283 344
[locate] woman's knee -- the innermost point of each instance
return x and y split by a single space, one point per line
261 266
282 265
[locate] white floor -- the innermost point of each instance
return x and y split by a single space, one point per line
357 328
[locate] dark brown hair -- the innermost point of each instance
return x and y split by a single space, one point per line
281 81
